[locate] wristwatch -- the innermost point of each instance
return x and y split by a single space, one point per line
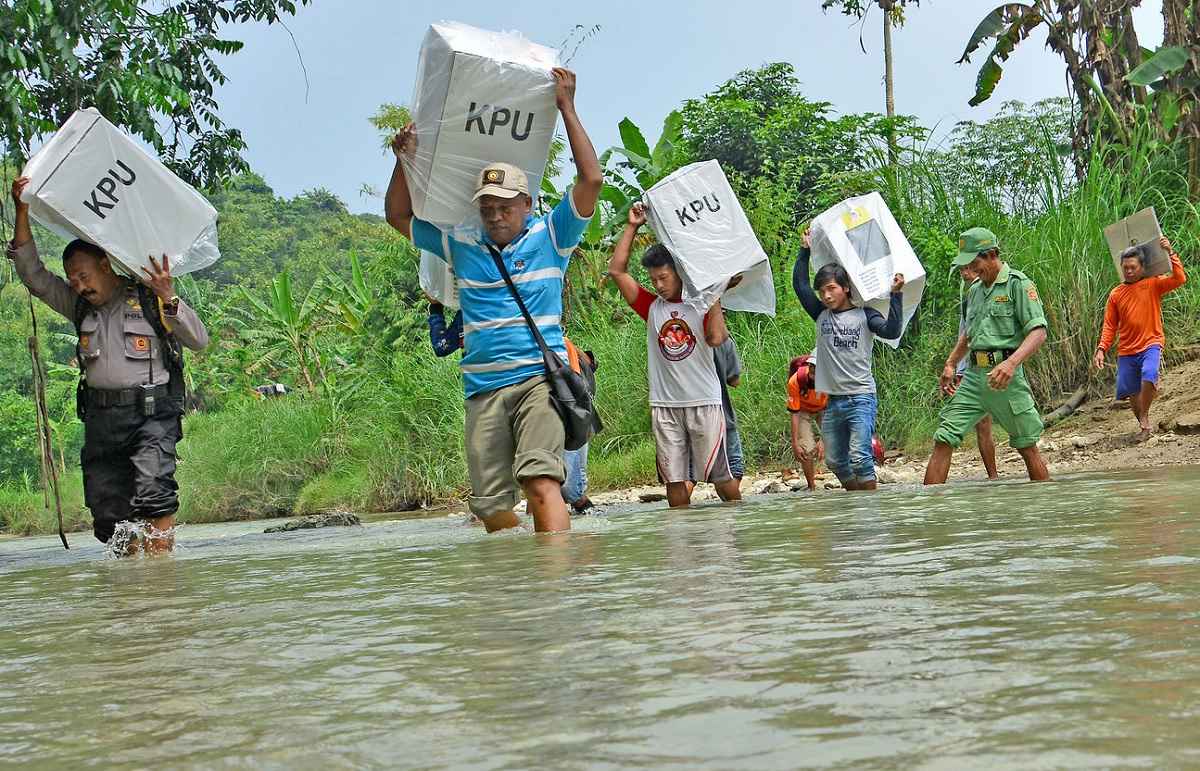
171 307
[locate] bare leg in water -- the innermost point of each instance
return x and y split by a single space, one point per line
987 446
546 506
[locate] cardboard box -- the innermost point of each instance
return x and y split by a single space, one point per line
862 236
696 216
1139 229
91 181
481 97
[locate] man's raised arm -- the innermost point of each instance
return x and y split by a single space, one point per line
40 282
618 264
397 203
590 178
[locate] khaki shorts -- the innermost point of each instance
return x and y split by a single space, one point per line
1013 408
691 433
806 435
513 434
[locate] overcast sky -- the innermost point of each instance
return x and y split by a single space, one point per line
646 59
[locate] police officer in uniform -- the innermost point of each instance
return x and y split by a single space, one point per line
1005 326
131 391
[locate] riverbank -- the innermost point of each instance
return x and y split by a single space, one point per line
1096 437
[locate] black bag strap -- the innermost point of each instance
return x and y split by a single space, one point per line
172 350
82 309
547 354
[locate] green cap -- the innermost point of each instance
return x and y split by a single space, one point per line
971 243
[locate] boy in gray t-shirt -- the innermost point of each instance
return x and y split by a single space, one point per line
845 338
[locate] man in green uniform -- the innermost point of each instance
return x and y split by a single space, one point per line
1005 325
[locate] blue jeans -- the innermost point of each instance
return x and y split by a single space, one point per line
575 486
847 427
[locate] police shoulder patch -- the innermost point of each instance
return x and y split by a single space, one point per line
1031 292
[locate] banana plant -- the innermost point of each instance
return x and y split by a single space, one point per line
630 170
1009 24
283 326
351 301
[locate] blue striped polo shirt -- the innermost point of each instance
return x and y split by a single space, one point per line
500 350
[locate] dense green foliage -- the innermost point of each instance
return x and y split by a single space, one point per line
327 303
147 67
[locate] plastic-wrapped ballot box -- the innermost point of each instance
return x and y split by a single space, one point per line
696 216
862 236
481 97
91 181
436 277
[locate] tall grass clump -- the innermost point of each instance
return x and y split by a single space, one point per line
23 509
251 459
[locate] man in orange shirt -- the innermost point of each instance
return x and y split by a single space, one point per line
1134 315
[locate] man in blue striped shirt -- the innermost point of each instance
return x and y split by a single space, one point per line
514 436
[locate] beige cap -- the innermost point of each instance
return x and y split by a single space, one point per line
502 180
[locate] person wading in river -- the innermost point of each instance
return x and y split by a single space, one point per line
131 392
1134 316
1005 326
805 404
514 435
983 429
845 341
686 413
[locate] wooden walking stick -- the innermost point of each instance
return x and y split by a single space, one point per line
45 438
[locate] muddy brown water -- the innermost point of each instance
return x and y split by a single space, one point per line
971 626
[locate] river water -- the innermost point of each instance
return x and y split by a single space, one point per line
972 626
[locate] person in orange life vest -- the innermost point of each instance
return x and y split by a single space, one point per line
805 403
574 489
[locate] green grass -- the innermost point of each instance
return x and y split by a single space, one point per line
252 459
23 510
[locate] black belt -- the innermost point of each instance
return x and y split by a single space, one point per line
990 358
122 397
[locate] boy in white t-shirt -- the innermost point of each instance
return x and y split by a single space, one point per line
686 413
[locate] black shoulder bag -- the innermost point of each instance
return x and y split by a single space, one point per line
569 392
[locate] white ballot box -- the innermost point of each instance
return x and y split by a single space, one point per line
481 97
436 277
91 181
1138 229
861 235
696 216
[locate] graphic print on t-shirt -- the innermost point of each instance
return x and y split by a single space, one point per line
675 338
844 336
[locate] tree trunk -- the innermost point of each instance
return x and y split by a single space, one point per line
1133 51
889 78
1177 31
1063 30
